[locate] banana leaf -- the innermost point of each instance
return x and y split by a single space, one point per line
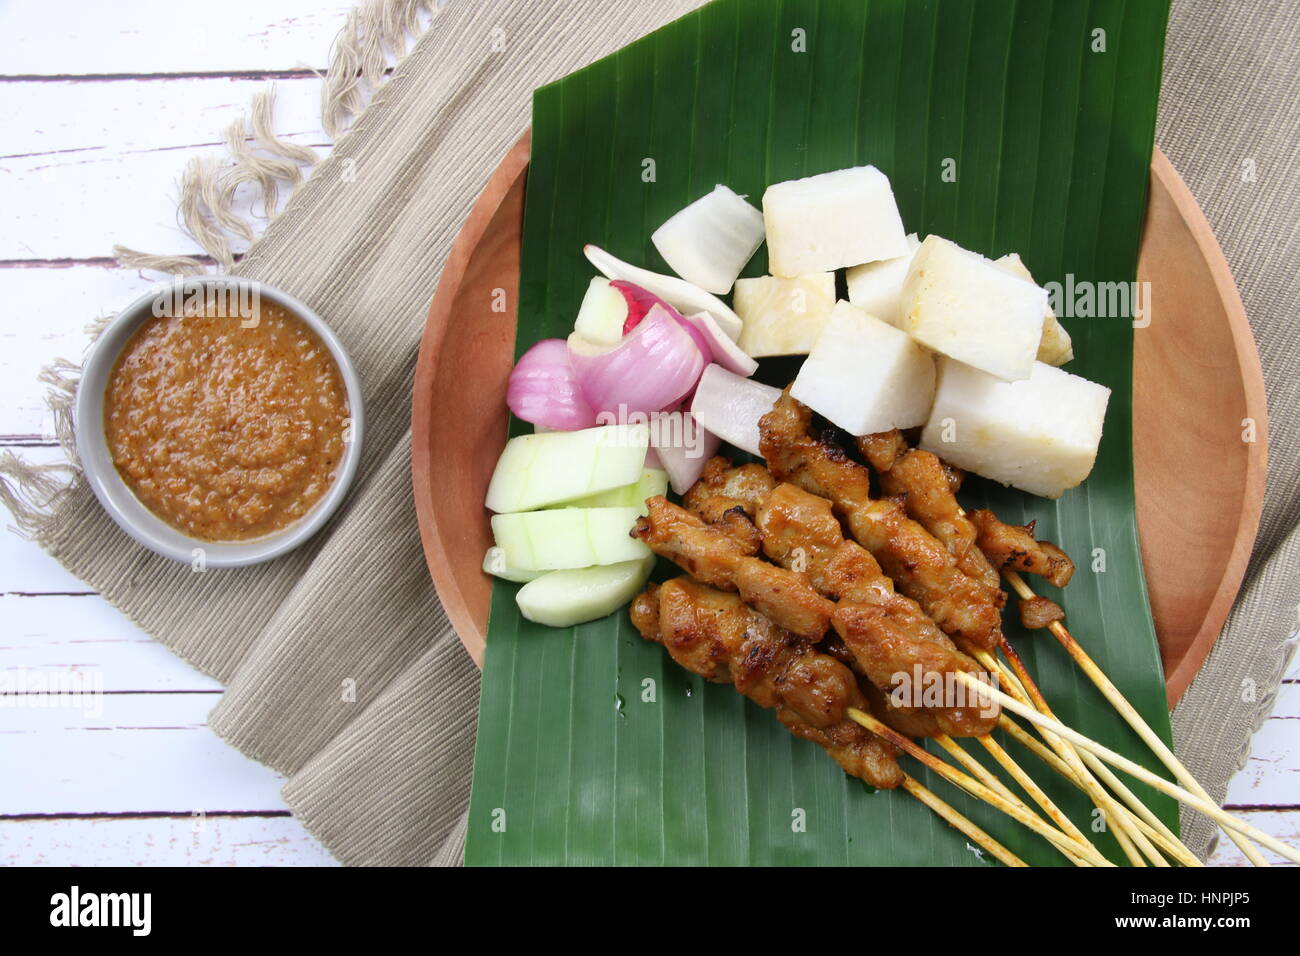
594 747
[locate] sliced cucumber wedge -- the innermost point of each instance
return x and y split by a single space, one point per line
539 470
654 481
566 598
495 563
568 538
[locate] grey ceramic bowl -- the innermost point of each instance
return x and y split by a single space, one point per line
118 499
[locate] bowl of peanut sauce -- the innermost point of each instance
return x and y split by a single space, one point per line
219 421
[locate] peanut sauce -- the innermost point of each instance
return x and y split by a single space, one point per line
226 432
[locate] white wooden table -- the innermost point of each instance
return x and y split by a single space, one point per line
101 107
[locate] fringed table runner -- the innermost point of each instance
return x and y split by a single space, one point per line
340 668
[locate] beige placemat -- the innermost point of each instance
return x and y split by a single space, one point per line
340 668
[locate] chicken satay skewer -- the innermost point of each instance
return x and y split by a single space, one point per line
1015 810
787 422
811 462
934 503
788 514
979 541
700 547
928 488
798 528
713 634
919 564
1201 804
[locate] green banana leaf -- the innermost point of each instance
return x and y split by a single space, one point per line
594 747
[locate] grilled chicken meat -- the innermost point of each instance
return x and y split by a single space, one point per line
920 480
722 560
723 487
882 449
713 634
887 633
1013 548
1036 612
727 496
884 634
979 540
919 564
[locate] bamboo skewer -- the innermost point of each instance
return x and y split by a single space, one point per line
1126 830
1148 822
1100 798
1130 714
1022 686
1023 778
1171 842
1133 769
1035 792
1140 814
990 780
960 822
974 787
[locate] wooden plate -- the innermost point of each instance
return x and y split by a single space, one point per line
1197 378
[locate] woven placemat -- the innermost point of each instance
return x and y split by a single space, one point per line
341 670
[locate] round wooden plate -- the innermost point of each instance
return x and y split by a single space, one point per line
1197 380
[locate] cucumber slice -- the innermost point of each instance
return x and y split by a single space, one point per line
602 315
654 481
566 598
495 563
539 470
568 538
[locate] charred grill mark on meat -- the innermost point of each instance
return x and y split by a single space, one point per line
723 487
727 496
887 633
919 564
714 634
1014 548
721 560
923 484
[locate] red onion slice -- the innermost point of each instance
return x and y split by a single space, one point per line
654 366
544 389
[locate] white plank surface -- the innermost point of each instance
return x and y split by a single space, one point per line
1272 775
160 841
89 37
101 107
90 164
1282 824
48 310
84 164
124 753
64 638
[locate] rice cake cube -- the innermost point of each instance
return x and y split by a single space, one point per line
876 286
1056 348
865 375
832 221
783 316
1038 434
962 305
